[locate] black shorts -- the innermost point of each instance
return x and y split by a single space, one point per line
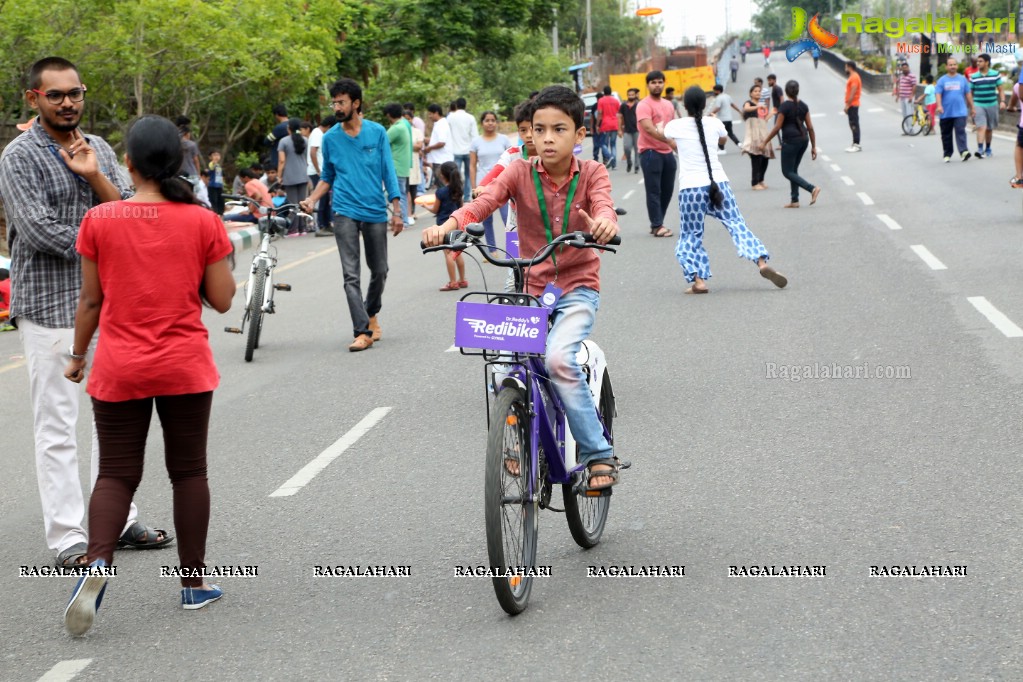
1019 136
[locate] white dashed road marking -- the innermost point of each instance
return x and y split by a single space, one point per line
996 317
628 194
865 199
928 257
65 670
323 460
889 221
835 167
847 180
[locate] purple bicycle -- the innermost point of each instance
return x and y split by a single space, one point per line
530 448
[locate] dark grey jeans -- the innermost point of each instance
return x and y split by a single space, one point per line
374 237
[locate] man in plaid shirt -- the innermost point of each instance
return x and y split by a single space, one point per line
50 175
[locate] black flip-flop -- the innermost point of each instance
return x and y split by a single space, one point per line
137 537
661 231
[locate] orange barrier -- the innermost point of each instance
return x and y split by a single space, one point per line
680 79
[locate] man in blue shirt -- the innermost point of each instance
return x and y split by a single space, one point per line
357 164
954 101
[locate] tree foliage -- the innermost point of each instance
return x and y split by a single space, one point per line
226 62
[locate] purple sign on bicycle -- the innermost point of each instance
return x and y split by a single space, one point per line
490 326
511 240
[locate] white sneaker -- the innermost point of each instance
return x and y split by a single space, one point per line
947 159
721 152
854 148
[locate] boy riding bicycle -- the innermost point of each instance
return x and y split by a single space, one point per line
556 193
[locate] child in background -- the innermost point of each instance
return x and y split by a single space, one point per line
216 183
930 101
447 200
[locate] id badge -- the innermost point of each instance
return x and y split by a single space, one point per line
550 296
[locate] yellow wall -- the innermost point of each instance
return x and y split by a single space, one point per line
680 79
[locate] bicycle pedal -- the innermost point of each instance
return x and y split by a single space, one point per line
232 330
282 287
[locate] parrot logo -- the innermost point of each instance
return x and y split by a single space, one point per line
818 36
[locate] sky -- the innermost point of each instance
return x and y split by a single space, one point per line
697 17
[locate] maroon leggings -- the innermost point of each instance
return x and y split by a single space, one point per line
122 428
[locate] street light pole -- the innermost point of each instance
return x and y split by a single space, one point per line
554 32
589 32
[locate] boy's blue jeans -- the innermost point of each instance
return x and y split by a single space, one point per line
573 317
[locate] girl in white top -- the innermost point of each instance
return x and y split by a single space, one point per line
703 191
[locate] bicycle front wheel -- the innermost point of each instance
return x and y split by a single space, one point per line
255 311
911 125
587 515
510 502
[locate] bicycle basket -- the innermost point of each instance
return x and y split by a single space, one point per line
493 326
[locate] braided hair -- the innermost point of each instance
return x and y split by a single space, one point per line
695 100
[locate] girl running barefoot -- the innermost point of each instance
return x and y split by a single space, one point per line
447 201
700 195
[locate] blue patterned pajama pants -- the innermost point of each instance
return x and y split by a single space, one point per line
694 206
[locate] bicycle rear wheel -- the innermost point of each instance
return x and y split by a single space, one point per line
255 311
587 515
511 515
911 125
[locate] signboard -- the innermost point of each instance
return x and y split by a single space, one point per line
490 326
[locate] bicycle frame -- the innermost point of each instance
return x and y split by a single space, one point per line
549 427
263 257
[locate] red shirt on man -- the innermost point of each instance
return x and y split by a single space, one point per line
607 107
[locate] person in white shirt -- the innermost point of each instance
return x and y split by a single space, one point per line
463 131
703 191
438 149
722 110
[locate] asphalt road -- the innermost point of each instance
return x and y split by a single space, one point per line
734 465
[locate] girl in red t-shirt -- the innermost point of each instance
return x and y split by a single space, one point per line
147 265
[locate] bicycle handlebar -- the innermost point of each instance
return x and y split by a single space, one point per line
459 240
282 207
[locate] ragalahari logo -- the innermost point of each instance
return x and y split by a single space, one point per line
818 36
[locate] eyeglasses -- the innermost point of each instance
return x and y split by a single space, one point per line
56 97
338 103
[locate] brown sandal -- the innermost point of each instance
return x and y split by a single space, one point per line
450 286
661 231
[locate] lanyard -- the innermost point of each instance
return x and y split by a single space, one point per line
543 206
525 152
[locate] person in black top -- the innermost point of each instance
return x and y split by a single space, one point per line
796 127
776 94
628 128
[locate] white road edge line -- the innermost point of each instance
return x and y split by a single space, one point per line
995 317
323 460
65 670
889 221
865 199
927 257
835 167
452 349
628 194
847 180
875 110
